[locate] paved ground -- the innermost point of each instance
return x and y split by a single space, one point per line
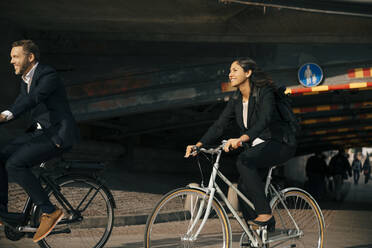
348 224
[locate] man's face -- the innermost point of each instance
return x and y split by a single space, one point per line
20 60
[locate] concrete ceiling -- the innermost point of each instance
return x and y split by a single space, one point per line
186 21
127 62
115 15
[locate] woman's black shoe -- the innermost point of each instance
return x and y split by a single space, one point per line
270 223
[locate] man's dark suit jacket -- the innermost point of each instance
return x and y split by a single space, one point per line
47 101
263 118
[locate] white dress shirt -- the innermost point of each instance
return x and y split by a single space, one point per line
256 141
27 79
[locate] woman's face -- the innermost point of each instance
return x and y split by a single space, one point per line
237 75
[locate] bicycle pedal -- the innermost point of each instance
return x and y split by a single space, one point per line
12 234
257 227
254 227
26 229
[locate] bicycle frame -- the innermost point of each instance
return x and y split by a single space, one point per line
213 187
17 221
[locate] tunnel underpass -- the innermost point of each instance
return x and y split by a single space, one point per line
146 78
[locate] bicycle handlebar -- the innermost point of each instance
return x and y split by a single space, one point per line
215 150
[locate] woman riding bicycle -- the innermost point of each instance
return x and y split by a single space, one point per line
262 135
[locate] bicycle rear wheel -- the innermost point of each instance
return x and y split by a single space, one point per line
170 224
94 220
307 215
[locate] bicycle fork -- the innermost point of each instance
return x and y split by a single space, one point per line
210 192
189 236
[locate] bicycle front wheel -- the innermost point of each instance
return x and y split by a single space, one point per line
91 224
177 217
306 214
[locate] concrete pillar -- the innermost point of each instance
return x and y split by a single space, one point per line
160 160
96 150
294 170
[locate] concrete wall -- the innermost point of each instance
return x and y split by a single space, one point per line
9 82
157 160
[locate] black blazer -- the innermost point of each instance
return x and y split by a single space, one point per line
47 101
263 118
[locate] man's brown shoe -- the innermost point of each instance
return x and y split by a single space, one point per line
47 223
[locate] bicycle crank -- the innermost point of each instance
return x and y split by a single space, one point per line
13 234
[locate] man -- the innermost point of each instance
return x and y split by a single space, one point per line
316 171
357 166
339 166
52 130
366 169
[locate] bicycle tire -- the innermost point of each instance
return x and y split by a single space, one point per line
169 221
98 218
307 215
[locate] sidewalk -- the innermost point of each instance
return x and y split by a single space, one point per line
348 224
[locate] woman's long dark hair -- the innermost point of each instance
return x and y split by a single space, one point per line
259 78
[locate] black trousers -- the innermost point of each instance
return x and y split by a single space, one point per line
366 177
16 160
253 164
356 176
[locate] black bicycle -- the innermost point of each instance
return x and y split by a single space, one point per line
87 203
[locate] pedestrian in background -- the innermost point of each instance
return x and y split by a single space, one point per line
339 168
357 167
367 169
316 172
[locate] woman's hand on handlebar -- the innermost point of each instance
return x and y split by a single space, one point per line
191 150
232 144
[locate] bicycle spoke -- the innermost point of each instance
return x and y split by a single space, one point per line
180 232
306 216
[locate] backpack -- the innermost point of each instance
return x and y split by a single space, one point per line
284 108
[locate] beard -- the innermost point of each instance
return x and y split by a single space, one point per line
23 67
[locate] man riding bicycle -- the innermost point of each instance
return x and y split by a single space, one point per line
52 130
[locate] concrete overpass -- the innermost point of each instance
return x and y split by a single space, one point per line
156 71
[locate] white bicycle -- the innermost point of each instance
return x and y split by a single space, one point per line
194 217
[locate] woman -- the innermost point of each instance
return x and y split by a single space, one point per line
366 169
262 135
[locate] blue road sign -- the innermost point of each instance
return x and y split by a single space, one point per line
310 75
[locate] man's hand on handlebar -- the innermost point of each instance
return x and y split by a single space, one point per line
192 150
3 118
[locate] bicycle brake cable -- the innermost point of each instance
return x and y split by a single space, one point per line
200 168
201 171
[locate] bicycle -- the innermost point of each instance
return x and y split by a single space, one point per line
87 203
194 217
